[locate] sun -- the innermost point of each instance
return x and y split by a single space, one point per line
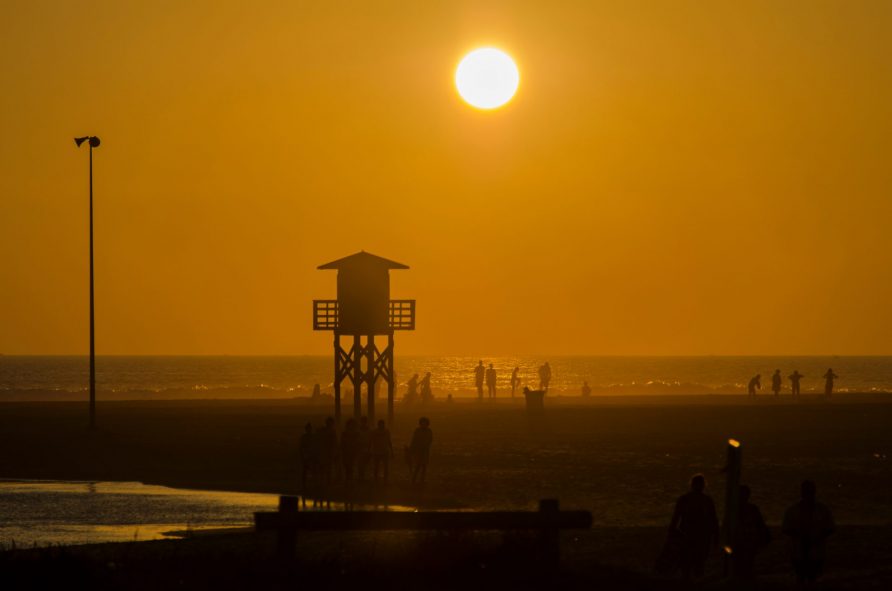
487 78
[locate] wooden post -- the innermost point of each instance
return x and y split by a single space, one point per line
337 377
357 377
370 376
732 501
390 380
286 537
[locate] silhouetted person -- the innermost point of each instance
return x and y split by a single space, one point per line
420 449
544 376
412 391
491 381
776 382
794 381
515 381
308 455
808 523
828 382
381 449
365 439
696 522
350 448
317 392
479 373
586 389
755 382
328 448
752 534
427 395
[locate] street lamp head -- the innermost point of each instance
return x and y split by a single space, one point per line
94 141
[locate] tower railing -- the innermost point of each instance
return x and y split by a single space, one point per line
401 315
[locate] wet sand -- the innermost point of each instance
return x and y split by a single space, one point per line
625 460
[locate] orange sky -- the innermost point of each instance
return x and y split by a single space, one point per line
672 177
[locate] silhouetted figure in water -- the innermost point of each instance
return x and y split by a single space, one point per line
365 441
544 376
412 391
586 389
381 449
828 382
515 381
776 382
420 449
809 524
427 395
479 373
350 448
755 382
794 381
328 448
696 522
751 536
491 381
308 455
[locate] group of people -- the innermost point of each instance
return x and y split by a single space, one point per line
487 376
323 454
694 532
426 395
755 383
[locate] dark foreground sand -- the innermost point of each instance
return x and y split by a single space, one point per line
626 461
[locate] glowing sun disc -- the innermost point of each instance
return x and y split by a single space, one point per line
487 78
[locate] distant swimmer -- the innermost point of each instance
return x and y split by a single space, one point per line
515 381
427 394
828 382
586 390
491 381
776 380
479 373
544 376
412 389
755 383
794 381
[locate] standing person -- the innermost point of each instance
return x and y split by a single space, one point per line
479 372
697 525
586 389
776 382
794 382
420 449
828 382
427 394
515 381
752 534
308 455
544 376
381 449
350 448
809 524
412 391
365 441
328 448
755 382
491 381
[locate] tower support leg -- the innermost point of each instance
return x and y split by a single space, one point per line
357 353
371 353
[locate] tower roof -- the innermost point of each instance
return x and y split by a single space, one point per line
363 259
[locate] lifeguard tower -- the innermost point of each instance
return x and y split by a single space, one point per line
363 311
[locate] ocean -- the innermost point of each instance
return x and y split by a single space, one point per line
66 377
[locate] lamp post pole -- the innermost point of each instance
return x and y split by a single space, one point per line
94 143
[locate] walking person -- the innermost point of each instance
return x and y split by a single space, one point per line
828 382
776 381
794 378
515 381
696 524
427 394
808 523
479 373
544 376
381 449
755 383
491 381
420 449
751 536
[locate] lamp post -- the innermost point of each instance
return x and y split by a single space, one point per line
94 143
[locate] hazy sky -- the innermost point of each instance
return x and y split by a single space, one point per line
672 177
